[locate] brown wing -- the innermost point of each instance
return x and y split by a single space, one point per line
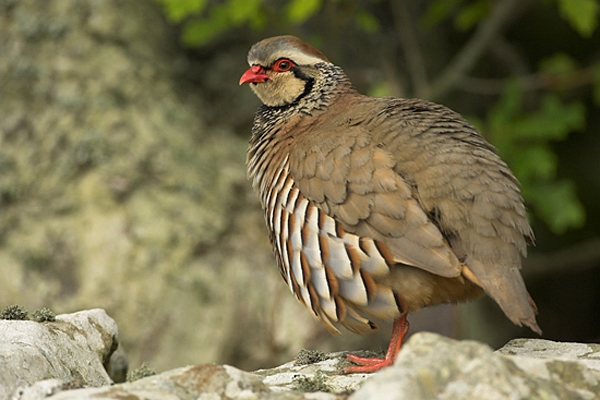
419 178
353 178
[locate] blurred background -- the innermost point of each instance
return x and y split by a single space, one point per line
123 134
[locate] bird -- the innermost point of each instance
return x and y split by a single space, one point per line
379 206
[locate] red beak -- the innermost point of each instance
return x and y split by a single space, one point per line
254 74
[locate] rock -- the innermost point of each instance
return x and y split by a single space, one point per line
117 366
112 187
39 390
587 354
319 376
430 366
71 351
204 382
317 381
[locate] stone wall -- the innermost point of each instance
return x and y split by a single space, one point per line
115 194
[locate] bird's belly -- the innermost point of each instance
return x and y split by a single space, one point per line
418 288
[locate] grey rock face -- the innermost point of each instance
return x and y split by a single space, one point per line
113 187
587 354
206 382
78 346
201 381
431 366
72 350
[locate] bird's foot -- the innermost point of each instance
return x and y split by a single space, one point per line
369 364
366 365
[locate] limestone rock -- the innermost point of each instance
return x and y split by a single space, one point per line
318 381
205 382
112 187
313 376
430 366
587 354
72 350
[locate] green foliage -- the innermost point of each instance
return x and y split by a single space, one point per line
560 63
581 14
139 373
380 89
14 312
203 22
557 203
299 11
221 17
523 140
467 14
316 383
438 11
596 87
178 10
524 136
367 21
471 14
43 315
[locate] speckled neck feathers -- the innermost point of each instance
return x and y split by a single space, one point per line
269 141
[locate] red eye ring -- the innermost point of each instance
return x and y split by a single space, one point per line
283 65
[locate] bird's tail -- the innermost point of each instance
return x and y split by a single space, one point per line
507 288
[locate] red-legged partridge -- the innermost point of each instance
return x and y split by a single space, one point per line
376 207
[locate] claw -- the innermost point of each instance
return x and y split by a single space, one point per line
371 364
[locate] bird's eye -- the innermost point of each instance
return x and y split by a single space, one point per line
283 65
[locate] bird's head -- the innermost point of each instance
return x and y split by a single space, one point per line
282 69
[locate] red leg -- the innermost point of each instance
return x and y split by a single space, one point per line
366 364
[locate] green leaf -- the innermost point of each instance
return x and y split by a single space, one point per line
438 11
534 162
581 14
510 102
501 116
201 31
557 204
178 10
366 21
596 93
223 16
380 89
561 70
523 140
554 121
560 63
471 14
242 10
477 122
298 11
